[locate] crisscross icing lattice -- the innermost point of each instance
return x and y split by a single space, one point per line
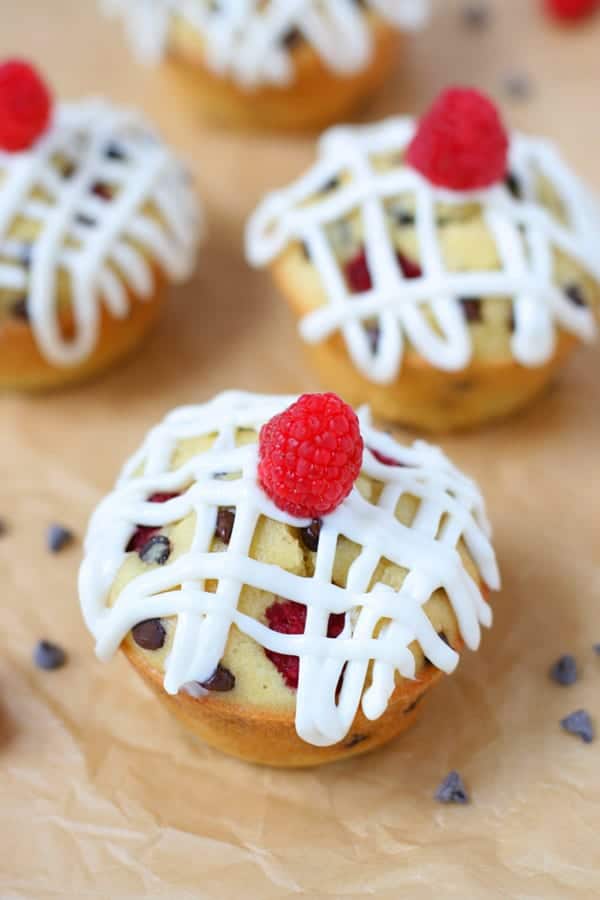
107 245
524 231
450 509
248 39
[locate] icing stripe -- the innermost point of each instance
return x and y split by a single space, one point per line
524 233
451 508
105 245
245 39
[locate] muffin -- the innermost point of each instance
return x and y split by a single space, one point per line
272 64
96 217
442 271
288 581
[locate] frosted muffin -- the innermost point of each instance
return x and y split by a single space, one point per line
288 580
96 218
442 271
272 64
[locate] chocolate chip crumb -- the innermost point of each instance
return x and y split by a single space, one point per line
310 535
514 185
149 634
330 185
114 151
221 680
452 790
225 522
157 550
82 219
355 739
58 537
373 333
564 670
580 724
49 656
471 307
575 295
518 86
476 15
292 38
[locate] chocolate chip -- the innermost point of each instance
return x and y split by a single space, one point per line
292 38
221 680
452 790
575 295
305 250
355 739
476 15
225 522
149 634
57 537
512 322
580 724
472 309
564 670
330 185
49 656
596 649
310 535
373 333
443 637
157 550
114 151
518 86
403 217
514 185
20 309
82 219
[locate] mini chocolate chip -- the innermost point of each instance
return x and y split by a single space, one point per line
580 724
564 670
373 333
57 537
305 250
20 309
291 38
512 322
452 790
221 680
157 550
82 219
310 535
149 634
114 151
225 522
476 15
354 740
403 217
575 295
49 656
330 185
514 185
518 86
472 309
596 649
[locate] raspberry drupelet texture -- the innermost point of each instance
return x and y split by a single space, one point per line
25 106
289 617
571 10
461 142
310 455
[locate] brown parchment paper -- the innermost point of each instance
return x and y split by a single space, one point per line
101 795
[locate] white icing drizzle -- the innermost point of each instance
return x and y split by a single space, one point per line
451 508
243 39
524 231
107 247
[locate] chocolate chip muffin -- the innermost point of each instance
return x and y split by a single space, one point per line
442 271
272 64
288 580
96 217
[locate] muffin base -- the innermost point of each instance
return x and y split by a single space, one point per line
316 98
268 737
433 400
22 366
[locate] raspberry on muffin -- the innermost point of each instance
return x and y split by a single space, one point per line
272 63
96 215
287 632
442 269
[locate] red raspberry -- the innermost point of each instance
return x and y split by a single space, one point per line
461 143
571 10
25 106
310 455
143 533
358 275
289 617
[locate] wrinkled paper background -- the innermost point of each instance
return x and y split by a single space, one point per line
101 794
